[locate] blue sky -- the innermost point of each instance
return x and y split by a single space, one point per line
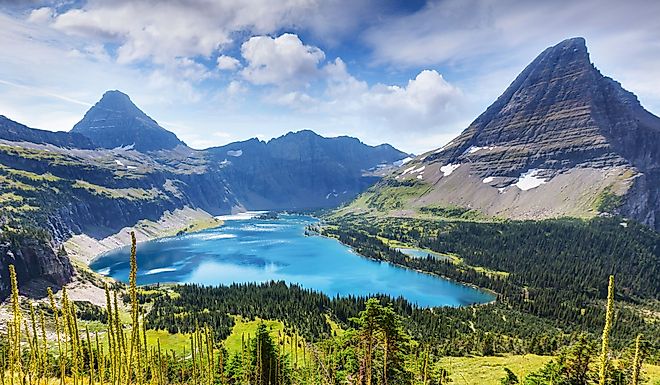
410 73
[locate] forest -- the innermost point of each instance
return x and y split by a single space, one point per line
324 341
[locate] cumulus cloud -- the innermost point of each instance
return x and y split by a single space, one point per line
427 96
228 63
161 30
424 104
283 61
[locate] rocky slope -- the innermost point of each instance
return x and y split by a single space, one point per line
562 140
130 172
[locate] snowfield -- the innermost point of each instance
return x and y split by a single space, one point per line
530 179
449 168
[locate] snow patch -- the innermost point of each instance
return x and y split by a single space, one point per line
623 224
131 167
415 171
420 176
119 162
407 170
488 179
530 179
473 149
403 161
235 153
449 168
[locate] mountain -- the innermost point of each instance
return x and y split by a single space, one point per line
130 172
16 132
114 121
562 140
301 170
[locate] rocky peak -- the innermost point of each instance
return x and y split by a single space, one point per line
115 121
558 113
562 140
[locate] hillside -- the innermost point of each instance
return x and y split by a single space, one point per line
562 140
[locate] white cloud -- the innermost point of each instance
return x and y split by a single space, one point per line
41 15
427 96
161 30
283 61
228 63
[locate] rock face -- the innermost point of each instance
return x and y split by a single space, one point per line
562 140
32 259
115 122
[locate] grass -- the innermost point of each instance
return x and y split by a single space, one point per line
389 195
54 158
127 193
489 370
607 201
455 259
335 328
652 373
244 327
201 224
177 342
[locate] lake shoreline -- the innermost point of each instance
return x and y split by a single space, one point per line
468 284
83 249
255 250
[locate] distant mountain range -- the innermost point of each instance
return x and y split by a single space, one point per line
562 140
117 167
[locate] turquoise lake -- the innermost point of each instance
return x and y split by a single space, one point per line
255 250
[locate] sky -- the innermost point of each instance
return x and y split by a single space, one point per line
410 73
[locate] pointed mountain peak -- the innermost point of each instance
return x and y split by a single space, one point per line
561 130
115 121
115 97
119 102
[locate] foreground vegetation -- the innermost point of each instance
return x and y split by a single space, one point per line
318 340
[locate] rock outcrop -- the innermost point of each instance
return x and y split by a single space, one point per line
34 259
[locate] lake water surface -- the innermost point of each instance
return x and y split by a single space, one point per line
253 250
